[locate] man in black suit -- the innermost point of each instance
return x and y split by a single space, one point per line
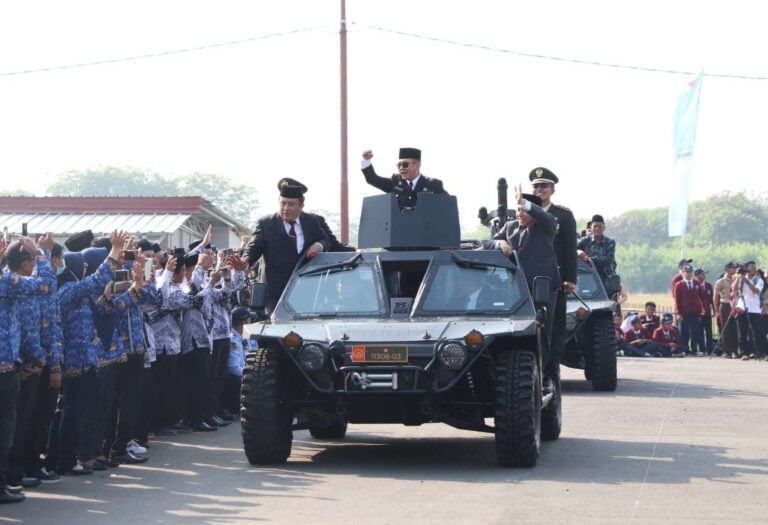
532 236
283 238
544 181
407 183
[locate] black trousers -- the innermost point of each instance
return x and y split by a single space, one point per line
107 394
124 418
746 346
218 374
706 325
42 417
230 398
165 380
558 327
25 406
146 402
79 393
9 396
194 370
757 327
691 336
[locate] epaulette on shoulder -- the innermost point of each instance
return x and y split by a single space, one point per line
560 207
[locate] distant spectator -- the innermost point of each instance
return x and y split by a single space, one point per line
707 298
640 341
689 306
682 263
668 337
598 249
723 309
749 287
649 319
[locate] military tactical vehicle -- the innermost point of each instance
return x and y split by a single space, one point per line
411 329
590 334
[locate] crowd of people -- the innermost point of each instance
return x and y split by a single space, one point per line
735 304
109 343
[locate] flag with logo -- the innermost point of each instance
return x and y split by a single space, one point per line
686 118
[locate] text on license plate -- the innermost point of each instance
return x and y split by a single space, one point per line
380 354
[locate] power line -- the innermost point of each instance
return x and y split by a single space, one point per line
159 54
556 58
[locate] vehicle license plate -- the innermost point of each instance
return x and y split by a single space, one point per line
379 354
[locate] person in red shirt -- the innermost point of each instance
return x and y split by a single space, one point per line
707 298
639 339
650 320
690 308
668 338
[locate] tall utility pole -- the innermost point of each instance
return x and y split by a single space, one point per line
344 156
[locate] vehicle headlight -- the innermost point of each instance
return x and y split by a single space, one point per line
570 322
453 355
311 357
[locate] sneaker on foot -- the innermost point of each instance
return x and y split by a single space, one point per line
134 448
47 478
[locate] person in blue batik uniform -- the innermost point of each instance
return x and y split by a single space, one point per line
81 352
238 349
12 287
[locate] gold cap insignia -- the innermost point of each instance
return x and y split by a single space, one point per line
539 172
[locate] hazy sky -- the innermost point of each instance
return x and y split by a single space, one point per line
265 109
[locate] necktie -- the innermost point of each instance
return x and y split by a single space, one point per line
690 286
292 235
412 186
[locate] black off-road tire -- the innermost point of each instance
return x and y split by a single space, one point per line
335 430
518 408
266 421
552 414
602 364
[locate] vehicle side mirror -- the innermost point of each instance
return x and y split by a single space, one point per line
541 289
258 296
613 284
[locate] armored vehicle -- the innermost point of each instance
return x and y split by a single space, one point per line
411 329
590 334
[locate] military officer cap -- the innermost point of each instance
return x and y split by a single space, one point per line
597 218
79 241
666 319
14 255
533 199
410 153
542 176
291 188
144 245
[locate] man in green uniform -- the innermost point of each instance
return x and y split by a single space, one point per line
544 181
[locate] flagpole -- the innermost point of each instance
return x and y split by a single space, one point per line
343 118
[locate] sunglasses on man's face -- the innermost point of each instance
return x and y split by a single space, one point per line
541 186
403 164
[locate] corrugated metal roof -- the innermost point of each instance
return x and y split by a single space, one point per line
70 223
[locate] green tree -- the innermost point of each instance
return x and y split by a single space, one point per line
237 200
111 181
15 193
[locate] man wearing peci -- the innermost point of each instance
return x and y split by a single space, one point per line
283 238
407 183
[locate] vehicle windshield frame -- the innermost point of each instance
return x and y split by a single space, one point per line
431 276
359 265
598 293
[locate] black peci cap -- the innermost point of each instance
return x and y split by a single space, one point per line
291 188
598 218
240 314
190 260
542 176
533 199
410 153
144 245
79 241
156 248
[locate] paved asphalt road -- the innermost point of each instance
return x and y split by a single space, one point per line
679 440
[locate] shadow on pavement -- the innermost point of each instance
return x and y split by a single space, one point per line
645 388
575 460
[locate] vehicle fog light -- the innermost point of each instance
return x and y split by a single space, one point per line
312 357
453 355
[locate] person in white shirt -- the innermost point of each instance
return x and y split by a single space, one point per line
749 288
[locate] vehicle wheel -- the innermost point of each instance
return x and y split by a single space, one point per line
552 414
266 421
335 430
518 408
602 365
